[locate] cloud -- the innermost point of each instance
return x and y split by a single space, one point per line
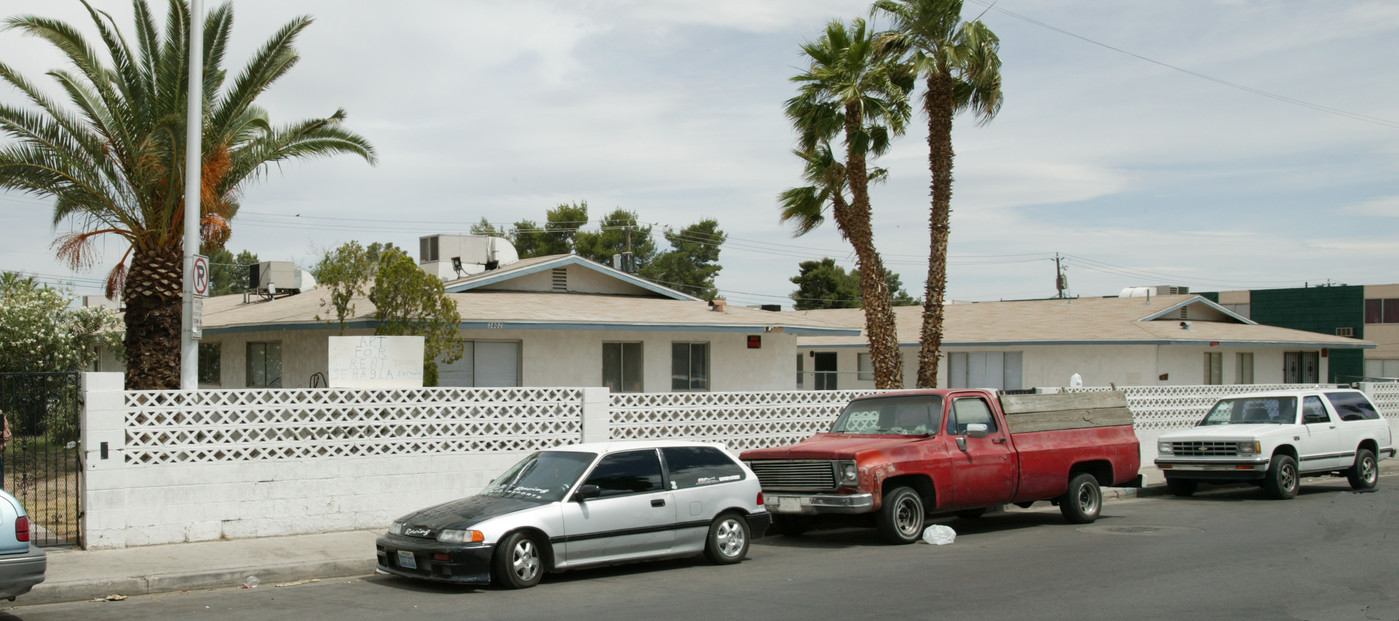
1379 207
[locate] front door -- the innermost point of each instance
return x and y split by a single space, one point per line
983 468
634 517
1301 367
825 371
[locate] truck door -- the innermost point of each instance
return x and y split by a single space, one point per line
1321 449
983 469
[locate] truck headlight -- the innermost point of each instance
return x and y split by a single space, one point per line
1164 447
452 535
1249 448
849 474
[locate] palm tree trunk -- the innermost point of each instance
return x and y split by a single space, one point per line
153 295
854 222
939 103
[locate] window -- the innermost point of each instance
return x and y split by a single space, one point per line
692 466
801 381
864 367
483 364
1214 368
1243 368
1313 412
1352 406
689 366
1382 311
265 365
209 364
632 472
968 411
621 366
991 369
1379 369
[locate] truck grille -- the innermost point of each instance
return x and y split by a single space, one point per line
796 476
1205 449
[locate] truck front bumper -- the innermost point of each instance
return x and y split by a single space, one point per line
1237 469
779 503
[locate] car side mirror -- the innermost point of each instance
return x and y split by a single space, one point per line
586 491
978 430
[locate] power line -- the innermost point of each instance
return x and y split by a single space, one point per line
1234 85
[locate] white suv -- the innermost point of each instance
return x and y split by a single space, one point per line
1275 438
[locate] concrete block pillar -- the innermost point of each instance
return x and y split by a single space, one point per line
597 415
103 437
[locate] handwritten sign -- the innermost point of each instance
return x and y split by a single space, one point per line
375 362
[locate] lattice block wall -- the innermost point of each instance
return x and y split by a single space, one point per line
212 426
740 420
1386 398
1160 409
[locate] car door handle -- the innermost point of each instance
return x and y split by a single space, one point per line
659 502
998 440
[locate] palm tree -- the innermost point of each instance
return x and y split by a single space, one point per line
850 90
961 66
112 159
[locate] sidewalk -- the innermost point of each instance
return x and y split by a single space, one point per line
77 575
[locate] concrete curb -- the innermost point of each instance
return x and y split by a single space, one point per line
268 577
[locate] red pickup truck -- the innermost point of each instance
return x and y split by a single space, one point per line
899 456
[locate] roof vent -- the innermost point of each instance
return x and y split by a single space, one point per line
560 275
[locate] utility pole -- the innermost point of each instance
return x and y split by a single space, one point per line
194 132
1061 283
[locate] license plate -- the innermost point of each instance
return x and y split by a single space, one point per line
406 560
787 504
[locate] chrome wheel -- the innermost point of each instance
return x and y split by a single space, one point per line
524 560
729 537
908 516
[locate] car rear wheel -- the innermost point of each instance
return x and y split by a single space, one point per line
901 516
519 563
1084 500
1182 487
1282 481
1366 472
728 539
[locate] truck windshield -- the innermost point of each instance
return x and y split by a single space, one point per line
907 416
1253 411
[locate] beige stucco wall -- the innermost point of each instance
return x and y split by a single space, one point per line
550 357
1385 335
1102 365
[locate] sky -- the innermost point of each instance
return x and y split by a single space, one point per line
1215 144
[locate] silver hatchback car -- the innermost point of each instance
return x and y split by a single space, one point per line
584 505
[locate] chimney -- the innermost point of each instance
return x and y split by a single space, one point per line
717 305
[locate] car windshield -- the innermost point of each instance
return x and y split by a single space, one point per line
545 476
911 415
1253 411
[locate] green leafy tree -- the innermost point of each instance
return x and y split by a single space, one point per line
823 284
484 227
558 236
851 91
412 302
113 157
345 273
620 233
961 66
692 263
229 274
39 331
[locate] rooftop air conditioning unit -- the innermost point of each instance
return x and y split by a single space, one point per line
270 279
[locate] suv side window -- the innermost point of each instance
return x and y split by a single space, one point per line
694 466
627 473
1352 406
1313 411
968 411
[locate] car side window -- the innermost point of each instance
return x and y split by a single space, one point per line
697 466
1313 411
631 472
1352 406
967 411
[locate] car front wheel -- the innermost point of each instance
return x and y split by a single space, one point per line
728 540
519 563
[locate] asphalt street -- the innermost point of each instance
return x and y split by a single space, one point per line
1223 554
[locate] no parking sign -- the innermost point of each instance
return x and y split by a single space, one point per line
201 276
